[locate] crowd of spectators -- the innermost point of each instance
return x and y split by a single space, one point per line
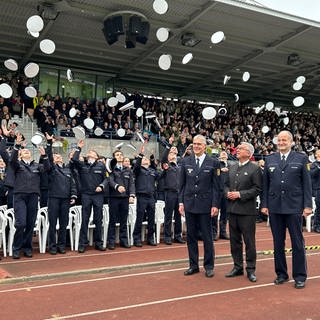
180 119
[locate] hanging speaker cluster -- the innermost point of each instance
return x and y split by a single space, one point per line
133 25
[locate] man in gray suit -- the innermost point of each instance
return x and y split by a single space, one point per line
242 186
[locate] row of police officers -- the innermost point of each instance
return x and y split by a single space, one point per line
192 187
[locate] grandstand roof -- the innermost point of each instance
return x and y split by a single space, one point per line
258 40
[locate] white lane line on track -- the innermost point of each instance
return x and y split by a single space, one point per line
151 303
66 283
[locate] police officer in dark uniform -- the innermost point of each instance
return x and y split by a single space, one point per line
286 197
225 165
170 176
10 174
4 159
199 199
121 192
146 177
62 193
26 195
3 188
93 181
315 178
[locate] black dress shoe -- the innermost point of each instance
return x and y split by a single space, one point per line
61 250
28 254
137 244
179 240
81 249
280 280
252 277
168 242
209 273
125 245
100 247
299 284
151 243
190 272
53 251
16 255
234 273
111 246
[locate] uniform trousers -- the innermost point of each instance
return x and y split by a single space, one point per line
279 223
95 202
202 222
145 204
25 212
172 207
58 208
118 211
316 221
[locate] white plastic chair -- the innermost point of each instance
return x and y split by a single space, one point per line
3 225
75 213
159 218
309 217
69 227
132 216
42 226
9 215
105 223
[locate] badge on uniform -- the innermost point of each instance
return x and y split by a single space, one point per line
218 172
271 169
308 166
190 170
245 173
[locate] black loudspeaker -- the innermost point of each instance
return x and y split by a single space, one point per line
117 25
143 35
135 25
111 38
113 27
130 41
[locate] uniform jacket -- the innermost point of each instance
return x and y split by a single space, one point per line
286 190
10 175
146 178
315 175
27 177
246 179
200 190
123 178
61 182
171 175
91 176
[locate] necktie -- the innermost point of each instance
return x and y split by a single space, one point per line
198 163
283 161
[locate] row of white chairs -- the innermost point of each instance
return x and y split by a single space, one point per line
7 219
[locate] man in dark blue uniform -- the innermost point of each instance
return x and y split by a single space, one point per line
26 194
315 178
287 195
121 192
62 193
199 199
146 177
225 165
170 176
93 182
